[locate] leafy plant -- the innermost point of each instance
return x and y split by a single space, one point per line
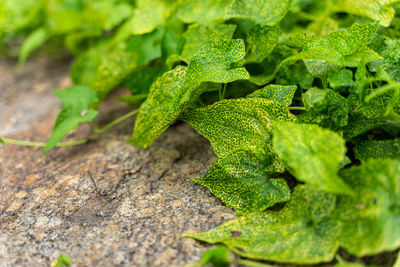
300 100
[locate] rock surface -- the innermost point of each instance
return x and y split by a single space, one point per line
105 203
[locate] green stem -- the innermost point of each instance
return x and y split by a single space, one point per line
71 143
297 108
116 121
224 91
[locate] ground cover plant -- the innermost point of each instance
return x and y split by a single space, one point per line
300 101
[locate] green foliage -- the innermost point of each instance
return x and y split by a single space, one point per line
238 123
311 154
176 90
280 93
277 235
61 261
263 13
371 217
243 181
287 92
378 149
76 101
218 257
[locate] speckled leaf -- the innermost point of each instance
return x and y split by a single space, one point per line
378 149
302 232
76 101
196 36
262 40
311 154
237 123
327 108
372 217
281 93
341 48
359 124
147 16
202 11
114 67
341 80
171 94
379 10
243 181
389 50
263 13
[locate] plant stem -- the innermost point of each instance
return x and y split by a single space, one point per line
71 143
296 108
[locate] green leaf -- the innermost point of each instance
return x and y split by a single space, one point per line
197 35
390 63
262 40
341 80
280 93
328 108
378 149
218 257
148 15
341 48
379 10
237 123
371 218
202 11
147 46
176 90
76 101
311 154
139 81
263 13
114 67
302 232
243 181
32 42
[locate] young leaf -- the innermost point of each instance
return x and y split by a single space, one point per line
371 218
326 107
280 93
196 36
378 149
262 40
379 10
243 181
114 67
263 13
176 90
237 123
217 256
311 154
341 48
303 232
32 42
202 11
76 101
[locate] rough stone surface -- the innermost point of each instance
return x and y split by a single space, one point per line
105 203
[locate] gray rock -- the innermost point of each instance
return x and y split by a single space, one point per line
133 210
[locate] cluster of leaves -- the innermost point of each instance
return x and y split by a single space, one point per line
300 100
